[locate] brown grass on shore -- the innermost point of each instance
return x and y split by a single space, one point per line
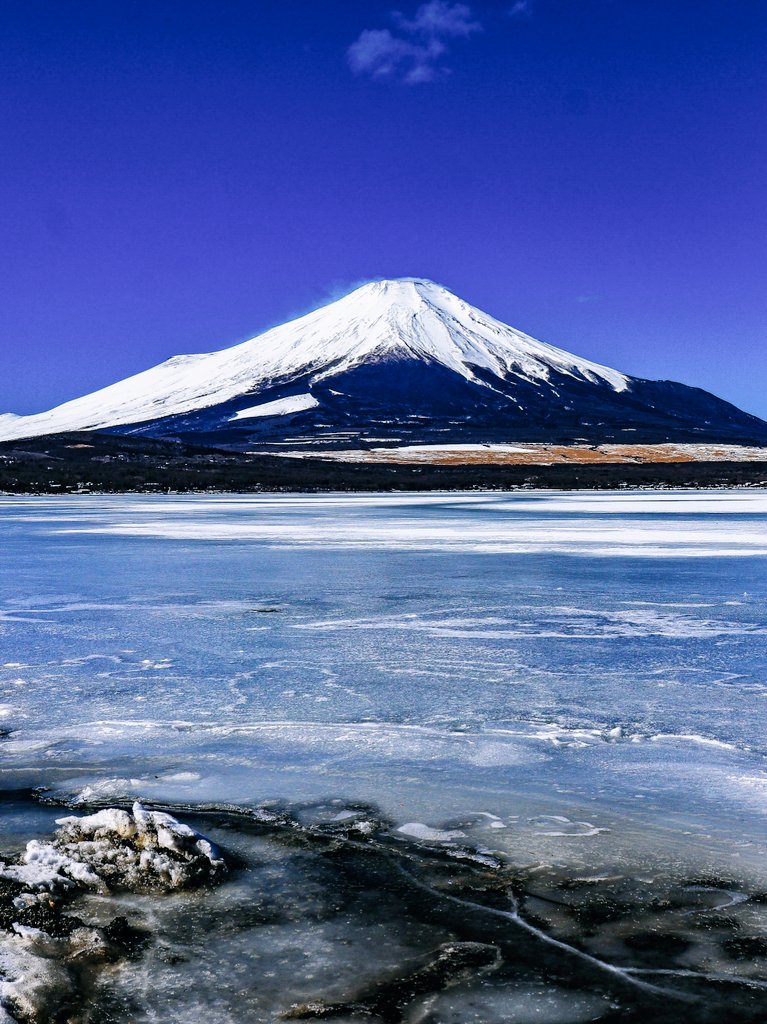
549 455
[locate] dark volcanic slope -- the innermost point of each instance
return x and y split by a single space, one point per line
93 461
393 402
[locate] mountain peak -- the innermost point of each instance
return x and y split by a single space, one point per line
404 291
418 318
384 284
407 292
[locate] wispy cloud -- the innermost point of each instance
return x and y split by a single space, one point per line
415 51
438 18
521 9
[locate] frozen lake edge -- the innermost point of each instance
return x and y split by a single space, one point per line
566 680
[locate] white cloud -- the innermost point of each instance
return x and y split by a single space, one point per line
521 9
414 53
438 18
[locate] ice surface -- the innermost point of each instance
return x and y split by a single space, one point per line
430 654
332 913
516 1004
417 830
631 526
32 984
505 700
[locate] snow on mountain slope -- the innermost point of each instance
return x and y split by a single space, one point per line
404 319
281 407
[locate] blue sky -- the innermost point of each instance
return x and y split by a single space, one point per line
177 177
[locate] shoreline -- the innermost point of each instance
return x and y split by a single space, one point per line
99 463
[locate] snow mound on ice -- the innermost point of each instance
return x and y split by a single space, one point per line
115 849
138 850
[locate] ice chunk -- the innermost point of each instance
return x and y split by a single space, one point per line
31 984
417 830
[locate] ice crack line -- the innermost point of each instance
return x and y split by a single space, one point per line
516 918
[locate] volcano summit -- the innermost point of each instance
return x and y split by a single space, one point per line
395 362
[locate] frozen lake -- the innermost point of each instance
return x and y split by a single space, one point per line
570 682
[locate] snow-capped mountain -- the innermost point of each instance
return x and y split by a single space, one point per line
394 361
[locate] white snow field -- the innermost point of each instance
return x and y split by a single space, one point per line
280 407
